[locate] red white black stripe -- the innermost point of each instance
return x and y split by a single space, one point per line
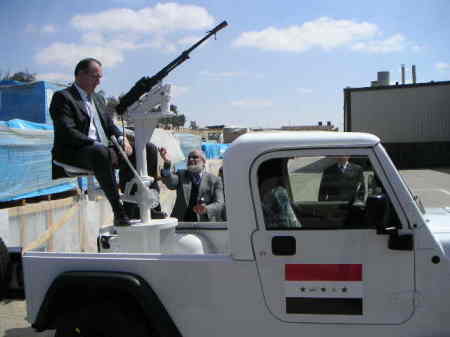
324 289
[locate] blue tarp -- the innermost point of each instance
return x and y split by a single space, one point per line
25 161
188 143
27 101
21 124
10 83
214 150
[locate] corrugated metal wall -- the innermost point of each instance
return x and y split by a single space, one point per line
400 115
413 121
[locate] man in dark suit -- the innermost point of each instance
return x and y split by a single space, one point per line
199 193
342 181
82 132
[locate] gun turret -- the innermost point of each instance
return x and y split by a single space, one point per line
145 84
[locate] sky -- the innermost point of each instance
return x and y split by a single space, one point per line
278 63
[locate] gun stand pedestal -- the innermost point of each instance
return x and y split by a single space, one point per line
146 235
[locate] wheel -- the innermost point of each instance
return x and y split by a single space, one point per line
107 319
4 261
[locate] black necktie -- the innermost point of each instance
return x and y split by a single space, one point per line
196 178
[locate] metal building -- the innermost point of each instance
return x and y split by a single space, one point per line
412 120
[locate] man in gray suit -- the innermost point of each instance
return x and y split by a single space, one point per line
199 193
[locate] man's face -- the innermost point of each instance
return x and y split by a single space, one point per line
195 161
342 160
89 79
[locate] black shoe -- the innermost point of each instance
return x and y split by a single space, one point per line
122 221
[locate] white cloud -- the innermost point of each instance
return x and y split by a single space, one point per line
417 48
48 29
161 43
178 90
304 90
108 34
68 54
325 33
442 66
188 40
55 77
252 103
394 43
220 75
160 18
93 38
30 28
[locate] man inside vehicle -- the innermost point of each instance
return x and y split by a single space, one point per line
276 203
342 181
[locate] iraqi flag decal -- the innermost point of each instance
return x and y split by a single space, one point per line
324 289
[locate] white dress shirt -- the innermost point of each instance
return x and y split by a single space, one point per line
91 109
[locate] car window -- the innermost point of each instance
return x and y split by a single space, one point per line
321 192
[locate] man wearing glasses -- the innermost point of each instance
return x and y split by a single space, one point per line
199 193
82 132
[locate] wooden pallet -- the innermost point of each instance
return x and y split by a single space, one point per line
33 200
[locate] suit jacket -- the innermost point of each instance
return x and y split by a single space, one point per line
342 186
71 125
210 189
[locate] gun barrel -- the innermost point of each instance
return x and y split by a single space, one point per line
220 26
213 31
145 84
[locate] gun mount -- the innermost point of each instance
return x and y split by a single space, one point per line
145 84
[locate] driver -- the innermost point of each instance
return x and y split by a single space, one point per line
342 181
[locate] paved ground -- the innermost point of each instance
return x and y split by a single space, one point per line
12 322
432 186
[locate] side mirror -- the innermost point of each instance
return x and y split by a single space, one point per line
377 213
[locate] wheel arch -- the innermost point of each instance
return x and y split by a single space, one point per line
73 289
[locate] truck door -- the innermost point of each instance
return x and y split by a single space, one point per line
317 256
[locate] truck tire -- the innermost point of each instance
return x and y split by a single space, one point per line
4 261
102 319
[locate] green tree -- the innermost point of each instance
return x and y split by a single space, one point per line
175 121
21 76
111 103
179 121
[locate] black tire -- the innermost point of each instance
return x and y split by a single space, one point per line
4 261
107 319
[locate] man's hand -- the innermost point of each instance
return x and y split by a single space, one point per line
200 209
164 154
127 147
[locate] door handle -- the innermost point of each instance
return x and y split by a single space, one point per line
284 245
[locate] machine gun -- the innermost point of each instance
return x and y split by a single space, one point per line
145 84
